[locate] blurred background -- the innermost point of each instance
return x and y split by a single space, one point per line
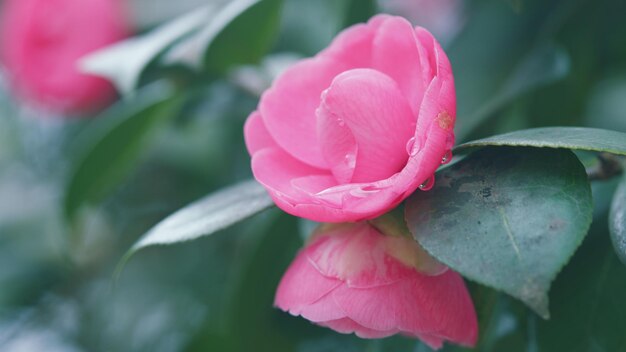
67 215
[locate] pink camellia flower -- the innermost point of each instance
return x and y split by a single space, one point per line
350 133
353 279
41 41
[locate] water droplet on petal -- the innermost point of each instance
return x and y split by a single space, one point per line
364 191
428 184
333 196
350 160
341 122
409 145
412 148
447 157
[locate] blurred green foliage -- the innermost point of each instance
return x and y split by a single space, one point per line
518 64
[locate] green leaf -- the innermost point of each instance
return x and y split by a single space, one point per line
218 45
509 218
113 144
589 310
251 322
208 215
125 62
542 66
617 221
578 138
253 317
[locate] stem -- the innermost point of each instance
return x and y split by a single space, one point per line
609 166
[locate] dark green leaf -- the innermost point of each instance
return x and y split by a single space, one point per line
218 45
509 218
588 306
125 62
253 317
113 144
209 215
617 221
252 323
578 138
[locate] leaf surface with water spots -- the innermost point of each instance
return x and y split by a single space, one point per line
509 218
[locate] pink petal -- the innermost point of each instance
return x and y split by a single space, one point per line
338 145
275 169
288 108
322 212
324 309
436 122
301 286
396 54
433 341
353 202
372 106
313 184
352 47
348 326
356 254
439 103
256 135
428 57
423 304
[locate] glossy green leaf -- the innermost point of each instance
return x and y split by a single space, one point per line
253 324
588 306
114 143
218 44
617 221
124 63
509 218
209 215
253 317
578 138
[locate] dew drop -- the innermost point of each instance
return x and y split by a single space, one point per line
331 197
447 157
341 122
364 191
428 184
350 160
412 148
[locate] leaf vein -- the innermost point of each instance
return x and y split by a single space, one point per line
509 233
